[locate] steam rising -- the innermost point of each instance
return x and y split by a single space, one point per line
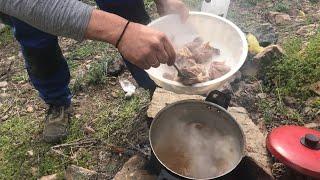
194 150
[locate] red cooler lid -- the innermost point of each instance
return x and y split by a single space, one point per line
296 147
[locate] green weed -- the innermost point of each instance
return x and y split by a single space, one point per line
6 36
294 73
282 6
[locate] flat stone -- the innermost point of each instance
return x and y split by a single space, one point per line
255 140
133 169
79 173
161 98
50 177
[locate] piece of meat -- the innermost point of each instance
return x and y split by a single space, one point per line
218 69
184 52
194 74
185 62
204 53
195 43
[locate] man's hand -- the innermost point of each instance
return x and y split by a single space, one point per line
146 47
141 45
172 7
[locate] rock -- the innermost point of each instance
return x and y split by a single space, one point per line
3 84
266 57
34 171
315 88
50 177
30 109
79 173
2 26
254 64
30 153
268 54
308 30
279 18
290 101
114 94
262 95
89 130
5 117
12 58
161 98
3 95
133 169
78 116
312 101
316 16
265 34
115 68
249 68
307 110
255 140
313 125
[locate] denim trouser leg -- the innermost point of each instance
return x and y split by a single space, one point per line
45 64
134 11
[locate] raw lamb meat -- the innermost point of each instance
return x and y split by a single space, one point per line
204 53
218 69
194 74
190 60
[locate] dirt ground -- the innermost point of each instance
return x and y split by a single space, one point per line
106 127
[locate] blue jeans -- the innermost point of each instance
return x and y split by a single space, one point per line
48 69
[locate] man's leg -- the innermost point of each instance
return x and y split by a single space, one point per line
134 11
49 73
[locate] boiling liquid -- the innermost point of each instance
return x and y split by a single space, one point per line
194 150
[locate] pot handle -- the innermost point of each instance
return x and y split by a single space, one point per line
219 98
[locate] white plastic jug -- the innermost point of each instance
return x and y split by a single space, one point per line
217 7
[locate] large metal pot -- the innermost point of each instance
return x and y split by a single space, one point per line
197 139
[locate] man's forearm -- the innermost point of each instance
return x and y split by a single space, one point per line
105 27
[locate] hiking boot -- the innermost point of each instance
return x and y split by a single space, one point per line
56 124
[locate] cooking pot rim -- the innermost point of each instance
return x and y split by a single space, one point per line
208 103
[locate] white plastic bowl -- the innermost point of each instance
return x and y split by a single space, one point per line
220 32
